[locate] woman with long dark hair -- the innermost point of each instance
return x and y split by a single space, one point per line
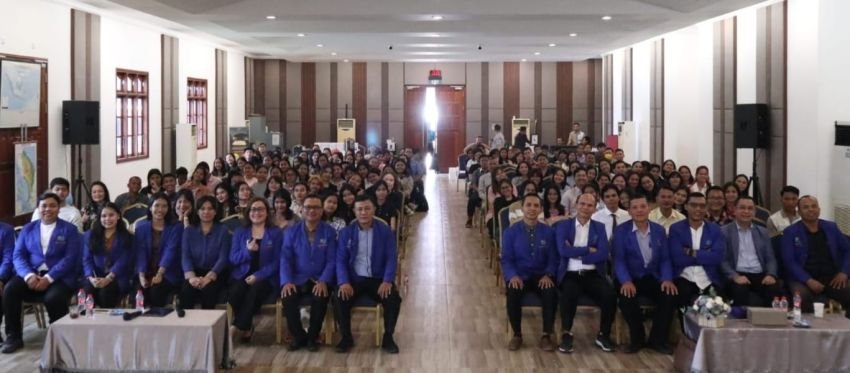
687 176
106 258
283 215
156 242
206 247
244 193
98 197
219 168
154 183
648 188
330 208
730 195
384 207
553 210
347 195
224 196
743 183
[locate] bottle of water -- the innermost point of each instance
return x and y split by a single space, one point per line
89 306
140 300
81 301
798 313
776 304
783 304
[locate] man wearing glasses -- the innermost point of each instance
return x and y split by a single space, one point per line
696 249
307 265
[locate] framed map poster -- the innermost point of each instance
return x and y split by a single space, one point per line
20 94
26 178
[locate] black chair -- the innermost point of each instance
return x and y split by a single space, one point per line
762 216
461 171
232 222
134 213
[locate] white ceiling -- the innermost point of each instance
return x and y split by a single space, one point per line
363 30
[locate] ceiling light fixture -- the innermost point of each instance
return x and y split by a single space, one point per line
345 60
320 45
271 17
606 18
523 60
553 44
536 53
573 35
333 53
301 35
437 17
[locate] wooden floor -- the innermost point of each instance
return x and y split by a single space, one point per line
452 318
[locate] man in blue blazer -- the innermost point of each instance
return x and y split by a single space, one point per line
817 257
643 269
366 261
7 270
307 265
529 263
749 263
696 249
47 267
583 248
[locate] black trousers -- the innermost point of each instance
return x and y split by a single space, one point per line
688 292
648 287
368 287
157 295
208 296
318 309
473 203
592 284
740 294
549 301
246 300
55 300
808 297
105 297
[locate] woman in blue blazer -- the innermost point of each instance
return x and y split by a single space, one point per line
206 247
254 258
157 246
106 258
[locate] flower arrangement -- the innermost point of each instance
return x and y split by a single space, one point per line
711 310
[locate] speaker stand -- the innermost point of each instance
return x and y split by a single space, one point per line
79 183
754 181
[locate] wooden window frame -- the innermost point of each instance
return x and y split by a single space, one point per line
132 130
197 110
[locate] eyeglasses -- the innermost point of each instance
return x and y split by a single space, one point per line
312 207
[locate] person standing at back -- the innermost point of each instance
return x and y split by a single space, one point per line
576 135
498 140
521 139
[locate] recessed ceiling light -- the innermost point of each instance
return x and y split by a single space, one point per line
536 53
345 60
523 60
573 35
333 53
271 17
606 18
553 44
437 17
301 35
320 45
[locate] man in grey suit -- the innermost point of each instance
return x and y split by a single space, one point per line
749 263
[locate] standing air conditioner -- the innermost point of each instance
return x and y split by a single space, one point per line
345 130
628 140
187 145
518 123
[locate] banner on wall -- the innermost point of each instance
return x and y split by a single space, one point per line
20 94
26 178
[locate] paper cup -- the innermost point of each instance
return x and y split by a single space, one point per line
819 309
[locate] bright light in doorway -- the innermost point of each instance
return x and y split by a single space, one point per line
431 112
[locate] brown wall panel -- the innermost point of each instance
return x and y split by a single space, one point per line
259 88
564 93
511 95
358 99
308 103
334 98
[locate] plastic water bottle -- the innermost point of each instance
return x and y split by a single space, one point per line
776 304
798 312
89 306
81 301
783 304
140 300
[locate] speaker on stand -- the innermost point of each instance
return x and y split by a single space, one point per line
80 126
752 130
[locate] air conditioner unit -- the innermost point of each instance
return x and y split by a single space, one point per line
628 140
518 123
187 145
345 129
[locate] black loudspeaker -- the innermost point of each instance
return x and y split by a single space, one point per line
80 122
842 134
752 126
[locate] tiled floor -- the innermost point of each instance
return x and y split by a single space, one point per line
452 319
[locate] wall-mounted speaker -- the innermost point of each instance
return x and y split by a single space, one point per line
842 133
80 122
752 126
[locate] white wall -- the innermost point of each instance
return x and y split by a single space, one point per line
746 34
43 29
142 54
235 89
617 88
197 60
641 66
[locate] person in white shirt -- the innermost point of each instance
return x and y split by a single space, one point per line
571 194
611 215
576 135
61 187
702 182
498 140
665 215
787 215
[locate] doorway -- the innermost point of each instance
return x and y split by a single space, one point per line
435 121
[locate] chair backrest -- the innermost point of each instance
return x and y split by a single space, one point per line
232 222
131 227
461 162
762 216
504 221
776 245
135 212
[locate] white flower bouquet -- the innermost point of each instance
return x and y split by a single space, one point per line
711 311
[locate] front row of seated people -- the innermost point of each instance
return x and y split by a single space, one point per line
188 252
667 269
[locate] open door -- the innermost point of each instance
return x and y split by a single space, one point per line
414 118
451 128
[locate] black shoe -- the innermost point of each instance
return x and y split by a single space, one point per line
312 345
12 345
389 345
297 344
663 349
634 348
604 343
566 345
344 345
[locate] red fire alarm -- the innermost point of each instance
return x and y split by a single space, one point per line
435 76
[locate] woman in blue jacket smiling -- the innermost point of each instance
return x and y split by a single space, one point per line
206 247
254 259
157 246
106 258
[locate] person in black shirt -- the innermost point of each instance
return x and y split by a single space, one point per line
386 208
521 139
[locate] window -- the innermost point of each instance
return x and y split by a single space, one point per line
131 115
196 93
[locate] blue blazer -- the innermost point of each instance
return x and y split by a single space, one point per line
301 261
519 258
565 233
240 257
7 249
628 260
169 251
709 256
384 253
761 241
63 257
208 252
94 265
795 249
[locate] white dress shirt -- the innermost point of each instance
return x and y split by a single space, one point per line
67 213
582 234
696 273
45 232
568 199
604 216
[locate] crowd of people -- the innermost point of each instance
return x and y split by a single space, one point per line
312 223
590 223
